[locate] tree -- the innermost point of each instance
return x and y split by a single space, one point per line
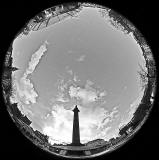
143 74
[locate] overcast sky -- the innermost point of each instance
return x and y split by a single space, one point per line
83 61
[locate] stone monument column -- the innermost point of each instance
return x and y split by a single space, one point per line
76 130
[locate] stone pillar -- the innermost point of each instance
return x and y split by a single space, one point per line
76 131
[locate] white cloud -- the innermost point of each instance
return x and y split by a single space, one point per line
135 104
36 58
81 58
125 88
75 78
26 89
87 94
28 92
92 124
70 72
131 110
61 129
83 94
61 98
102 94
92 119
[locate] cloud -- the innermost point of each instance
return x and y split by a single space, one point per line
26 88
68 70
28 92
93 124
90 121
132 108
61 128
135 104
61 98
93 118
81 58
87 94
36 58
71 73
83 94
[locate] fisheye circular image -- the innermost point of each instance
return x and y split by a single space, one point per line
79 80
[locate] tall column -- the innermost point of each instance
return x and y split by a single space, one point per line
76 131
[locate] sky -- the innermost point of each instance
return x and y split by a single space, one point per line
83 61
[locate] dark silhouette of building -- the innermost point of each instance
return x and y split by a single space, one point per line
76 131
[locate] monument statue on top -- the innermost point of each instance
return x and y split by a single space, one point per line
76 130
